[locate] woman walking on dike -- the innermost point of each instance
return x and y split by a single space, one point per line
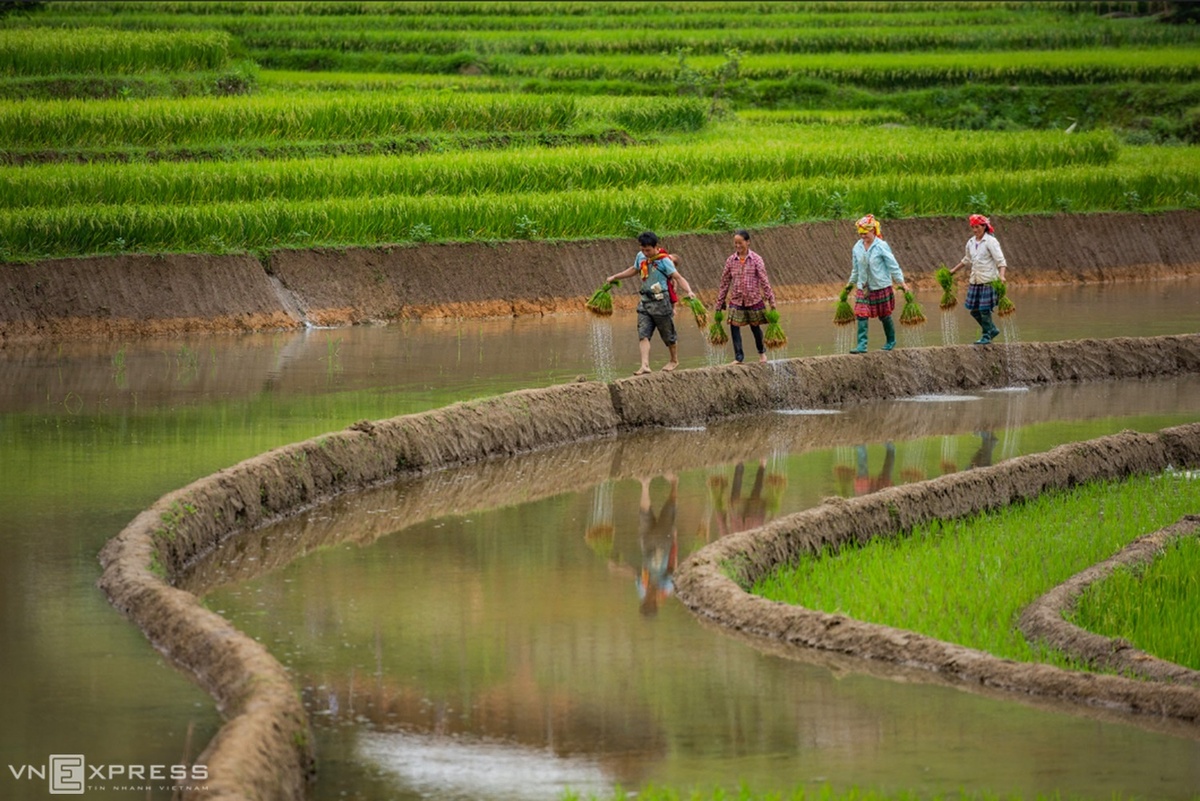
745 285
987 263
873 270
655 312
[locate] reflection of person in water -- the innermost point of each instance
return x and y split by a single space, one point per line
742 514
863 482
660 548
983 456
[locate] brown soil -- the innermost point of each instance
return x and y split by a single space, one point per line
264 749
150 295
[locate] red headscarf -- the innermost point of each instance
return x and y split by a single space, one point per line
979 219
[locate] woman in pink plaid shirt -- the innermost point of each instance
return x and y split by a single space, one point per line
745 285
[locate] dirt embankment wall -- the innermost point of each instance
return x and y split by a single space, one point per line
264 749
123 296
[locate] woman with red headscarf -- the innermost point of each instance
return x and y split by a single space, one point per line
987 265
873 270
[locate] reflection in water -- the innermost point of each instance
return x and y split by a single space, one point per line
473 593
659 542
491 605
446 768
740 513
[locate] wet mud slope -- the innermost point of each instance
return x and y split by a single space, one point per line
264 748
147 295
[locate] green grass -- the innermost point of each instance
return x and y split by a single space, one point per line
965 581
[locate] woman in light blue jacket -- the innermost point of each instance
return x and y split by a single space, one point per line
873 271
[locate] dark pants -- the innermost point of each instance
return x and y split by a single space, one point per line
735 333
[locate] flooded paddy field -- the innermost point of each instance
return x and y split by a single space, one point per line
479 634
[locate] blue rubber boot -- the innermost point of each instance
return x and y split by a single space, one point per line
862 336
889 330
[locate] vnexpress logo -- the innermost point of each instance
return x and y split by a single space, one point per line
70 774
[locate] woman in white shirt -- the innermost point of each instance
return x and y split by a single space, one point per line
987 263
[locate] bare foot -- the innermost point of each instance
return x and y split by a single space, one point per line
643 370
736 361
762 358
669 366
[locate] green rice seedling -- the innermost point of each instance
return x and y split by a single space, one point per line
912 313
966 580
600 303
541 170
1151 605
716 332
773 336
843 312
945 280
1004 306
34 51
696 306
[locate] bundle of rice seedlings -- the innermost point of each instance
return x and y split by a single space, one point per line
600 303
697 307
716 331
911 314
773 336
1004 306
843 313
945 280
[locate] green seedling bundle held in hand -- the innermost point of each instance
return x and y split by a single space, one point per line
911 314
698 310
600 303
843 313
716 332
773 336
945 280
1004 306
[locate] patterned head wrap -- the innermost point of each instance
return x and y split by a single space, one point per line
979 219
868 223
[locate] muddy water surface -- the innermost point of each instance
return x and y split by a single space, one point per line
513 642
519 639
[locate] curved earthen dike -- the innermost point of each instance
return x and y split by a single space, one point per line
264 750
166 294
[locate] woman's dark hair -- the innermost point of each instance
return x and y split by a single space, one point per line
647 238
743 233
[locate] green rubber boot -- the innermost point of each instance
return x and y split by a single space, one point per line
993 331
889 330
862 336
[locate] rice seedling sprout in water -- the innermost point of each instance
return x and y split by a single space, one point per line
1153 605
966 580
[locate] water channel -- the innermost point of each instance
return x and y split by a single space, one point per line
500 632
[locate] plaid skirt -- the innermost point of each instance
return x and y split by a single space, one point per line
748 315
876 303
980 297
